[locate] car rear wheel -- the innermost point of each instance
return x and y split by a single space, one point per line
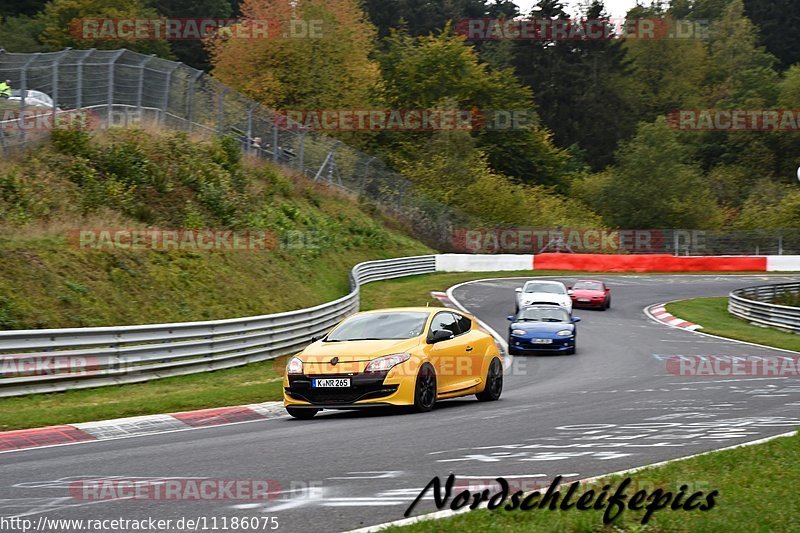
301 413
425 389
494 382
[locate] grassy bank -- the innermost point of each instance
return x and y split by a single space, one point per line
712 314
756 493
145 179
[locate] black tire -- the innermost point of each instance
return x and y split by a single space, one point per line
302 413
494 382
425 389
513 351
571 351
608 304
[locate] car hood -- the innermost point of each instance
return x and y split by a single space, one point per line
587 293
543 297
354 351
542 327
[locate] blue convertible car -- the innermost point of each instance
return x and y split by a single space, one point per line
542 328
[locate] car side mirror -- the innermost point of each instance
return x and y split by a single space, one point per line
440 335
315 338
570 292
576 319
510 318
518 289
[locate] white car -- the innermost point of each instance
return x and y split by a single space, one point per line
543 292
32 98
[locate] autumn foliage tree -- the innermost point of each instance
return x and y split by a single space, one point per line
315 56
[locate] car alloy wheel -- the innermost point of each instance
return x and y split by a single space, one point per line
425 389
494 382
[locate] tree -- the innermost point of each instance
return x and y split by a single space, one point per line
192 52
777 21
444 71
330 68
61 20
578 85
424 17
655 184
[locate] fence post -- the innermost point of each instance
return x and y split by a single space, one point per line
110 102
301 156
274 139
780 242
190 99
23 92
79 79
140 88
221 109
167 85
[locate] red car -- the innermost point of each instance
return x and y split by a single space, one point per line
590 293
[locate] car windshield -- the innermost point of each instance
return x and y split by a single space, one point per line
379 326
537 314
588 285
551 288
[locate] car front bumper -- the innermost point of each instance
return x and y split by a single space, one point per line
366 390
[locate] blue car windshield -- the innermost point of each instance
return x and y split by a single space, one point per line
536 314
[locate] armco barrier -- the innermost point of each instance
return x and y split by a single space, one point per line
754 305
94 357
649 263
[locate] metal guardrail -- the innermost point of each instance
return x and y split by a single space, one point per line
754 305
99 356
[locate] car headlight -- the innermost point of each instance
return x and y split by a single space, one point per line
387 362
564 333
518 332
295 366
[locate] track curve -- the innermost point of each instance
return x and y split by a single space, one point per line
611 406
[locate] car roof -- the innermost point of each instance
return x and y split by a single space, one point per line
549 281
589 280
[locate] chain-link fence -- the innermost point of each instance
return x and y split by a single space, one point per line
121 87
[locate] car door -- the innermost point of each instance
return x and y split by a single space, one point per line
448 357
475 347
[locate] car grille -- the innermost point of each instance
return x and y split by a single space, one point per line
362 387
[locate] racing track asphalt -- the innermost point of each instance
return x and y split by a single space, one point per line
610 407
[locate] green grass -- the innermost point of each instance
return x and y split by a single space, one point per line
254 383
756 484
712 314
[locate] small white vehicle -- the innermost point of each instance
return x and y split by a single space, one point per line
539 291
32 98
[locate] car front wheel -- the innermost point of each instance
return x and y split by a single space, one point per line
425 389
494 382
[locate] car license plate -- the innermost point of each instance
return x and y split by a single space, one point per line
584 300
336 383
543 341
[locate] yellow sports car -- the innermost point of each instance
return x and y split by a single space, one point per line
409 356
